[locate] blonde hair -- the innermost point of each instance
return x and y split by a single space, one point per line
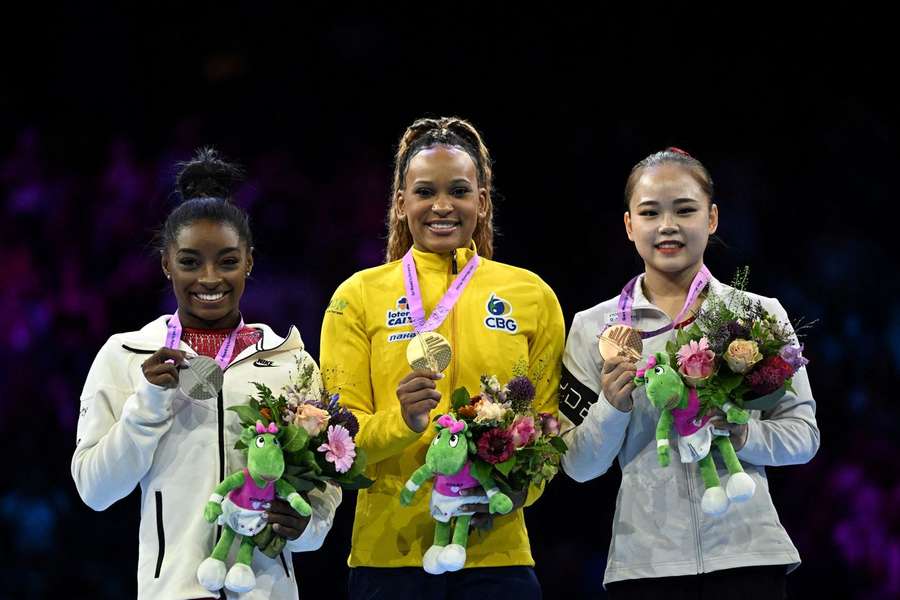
426 133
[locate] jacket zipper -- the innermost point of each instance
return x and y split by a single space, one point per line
160 532
695 521
455 356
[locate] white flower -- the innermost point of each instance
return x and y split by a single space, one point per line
486 410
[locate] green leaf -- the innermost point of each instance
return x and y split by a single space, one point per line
507 465
481 469
239 445
460 398
294 438
301 485
558 443
247 414
359 464
304 459
254 404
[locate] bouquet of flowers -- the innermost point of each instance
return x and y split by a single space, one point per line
317 439
737 351
511 442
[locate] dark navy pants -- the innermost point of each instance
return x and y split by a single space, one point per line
412 583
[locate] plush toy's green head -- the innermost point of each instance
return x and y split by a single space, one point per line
265 459
665 388
449 450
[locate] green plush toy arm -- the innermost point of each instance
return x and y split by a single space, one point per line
287 491
662 437
422 474
499 502
735 414
214 507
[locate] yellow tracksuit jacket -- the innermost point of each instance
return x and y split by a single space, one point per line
507 322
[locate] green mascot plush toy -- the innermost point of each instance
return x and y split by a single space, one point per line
242 514
447 460
680 408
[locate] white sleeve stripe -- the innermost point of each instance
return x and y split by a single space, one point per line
662 443
411 486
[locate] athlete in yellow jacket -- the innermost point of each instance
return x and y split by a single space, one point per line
507 321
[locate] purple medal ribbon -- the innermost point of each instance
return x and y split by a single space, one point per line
443 308
226 350
626 301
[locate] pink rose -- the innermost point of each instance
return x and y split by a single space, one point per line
523 431
696 362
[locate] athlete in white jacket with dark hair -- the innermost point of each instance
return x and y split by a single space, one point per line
138 428
663 544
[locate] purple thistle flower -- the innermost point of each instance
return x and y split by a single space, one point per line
347 419
520 392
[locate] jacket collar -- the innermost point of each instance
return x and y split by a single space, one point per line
429 261
152 336
716 288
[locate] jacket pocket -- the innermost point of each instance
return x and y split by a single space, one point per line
160 532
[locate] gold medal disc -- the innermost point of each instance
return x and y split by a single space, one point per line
429 350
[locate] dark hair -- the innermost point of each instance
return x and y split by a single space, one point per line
670 155
427 133
206 184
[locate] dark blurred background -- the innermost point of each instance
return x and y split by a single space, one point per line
796 118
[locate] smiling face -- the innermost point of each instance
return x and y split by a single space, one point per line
208 264
441 200
670 219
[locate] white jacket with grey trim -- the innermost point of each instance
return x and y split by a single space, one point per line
178 449
658 528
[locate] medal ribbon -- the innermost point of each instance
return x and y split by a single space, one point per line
443 308
626 301
226 350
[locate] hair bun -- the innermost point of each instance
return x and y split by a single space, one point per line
207 175
679 151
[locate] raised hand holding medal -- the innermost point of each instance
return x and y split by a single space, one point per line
202 377
428 353
430 349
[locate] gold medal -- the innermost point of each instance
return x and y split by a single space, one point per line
429 350
621 340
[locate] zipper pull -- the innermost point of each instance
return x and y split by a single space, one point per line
453 262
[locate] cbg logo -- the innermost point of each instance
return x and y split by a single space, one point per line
498 315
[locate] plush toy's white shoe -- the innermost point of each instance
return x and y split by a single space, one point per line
211 574
240 578
431 561
453 557
740 487
714 501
